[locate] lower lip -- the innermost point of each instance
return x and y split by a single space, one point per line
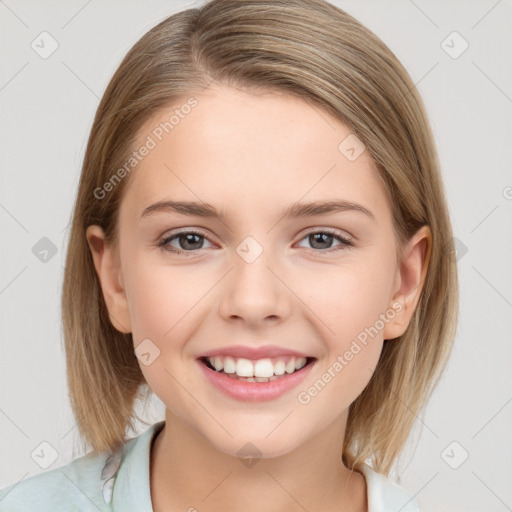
255 391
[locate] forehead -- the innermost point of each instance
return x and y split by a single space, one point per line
250 150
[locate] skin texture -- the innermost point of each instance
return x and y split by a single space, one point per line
251 155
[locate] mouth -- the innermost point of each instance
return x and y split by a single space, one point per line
257 371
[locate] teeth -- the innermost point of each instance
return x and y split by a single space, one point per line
290 367
279 368
300 362
244 368
263 370
229 365
252 379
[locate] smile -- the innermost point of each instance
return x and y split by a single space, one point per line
255 380
261 370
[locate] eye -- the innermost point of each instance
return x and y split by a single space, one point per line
322 239
191 241
188 242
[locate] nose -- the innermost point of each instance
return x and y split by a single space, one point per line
253 292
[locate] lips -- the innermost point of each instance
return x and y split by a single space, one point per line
260 362
254 353
249 373
254 389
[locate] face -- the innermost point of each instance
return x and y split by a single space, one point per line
325 285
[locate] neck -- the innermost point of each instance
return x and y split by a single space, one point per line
189 473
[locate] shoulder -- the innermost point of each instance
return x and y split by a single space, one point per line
74 486
87 483
385 495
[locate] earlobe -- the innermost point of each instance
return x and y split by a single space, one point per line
106 263
410 278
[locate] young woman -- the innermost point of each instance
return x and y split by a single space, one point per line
261 239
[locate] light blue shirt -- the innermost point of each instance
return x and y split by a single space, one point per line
119 482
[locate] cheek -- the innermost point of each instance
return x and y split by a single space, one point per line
159 297
164 303
346 300
350 308
161 301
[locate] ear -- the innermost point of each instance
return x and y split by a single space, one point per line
409 281
107 265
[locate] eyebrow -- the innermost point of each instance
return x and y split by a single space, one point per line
293 211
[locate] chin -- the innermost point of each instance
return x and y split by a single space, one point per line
254 449
255 443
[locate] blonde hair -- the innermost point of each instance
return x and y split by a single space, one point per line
317 52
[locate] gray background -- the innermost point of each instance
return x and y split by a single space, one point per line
47 108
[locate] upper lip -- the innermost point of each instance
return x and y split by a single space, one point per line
241 351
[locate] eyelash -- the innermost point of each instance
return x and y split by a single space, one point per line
345 242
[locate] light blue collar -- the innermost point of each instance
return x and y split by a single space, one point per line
131 492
